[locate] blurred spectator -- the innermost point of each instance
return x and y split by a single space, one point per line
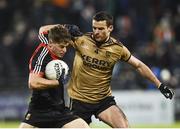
177 24
124 32
149 28
163 33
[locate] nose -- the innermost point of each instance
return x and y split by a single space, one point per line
96 31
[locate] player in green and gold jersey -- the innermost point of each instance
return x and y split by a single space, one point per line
89 87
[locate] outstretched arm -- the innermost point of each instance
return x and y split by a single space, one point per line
145 71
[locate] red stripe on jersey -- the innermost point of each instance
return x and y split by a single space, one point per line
54 57
37 49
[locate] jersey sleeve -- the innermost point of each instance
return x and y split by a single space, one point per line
125 54
39 61
76 43
43 37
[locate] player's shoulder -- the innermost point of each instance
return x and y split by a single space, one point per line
40 53
85 36
42 49
88 34
115 41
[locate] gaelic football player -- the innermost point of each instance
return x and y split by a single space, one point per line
47 107
89 87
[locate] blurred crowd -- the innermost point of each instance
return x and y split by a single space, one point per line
149 28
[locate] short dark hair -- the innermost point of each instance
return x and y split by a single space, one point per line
59 34
101 16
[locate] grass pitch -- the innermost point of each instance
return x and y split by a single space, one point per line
9 124
15 124
175 125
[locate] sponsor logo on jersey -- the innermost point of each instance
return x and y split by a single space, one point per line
108 53
96 63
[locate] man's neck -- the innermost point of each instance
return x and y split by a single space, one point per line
99 43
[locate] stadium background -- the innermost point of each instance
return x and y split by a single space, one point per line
149 28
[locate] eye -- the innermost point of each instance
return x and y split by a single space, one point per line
101 28
94 28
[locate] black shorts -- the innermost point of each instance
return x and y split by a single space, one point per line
49 118
86 110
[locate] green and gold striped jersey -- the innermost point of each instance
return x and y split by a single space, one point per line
92 68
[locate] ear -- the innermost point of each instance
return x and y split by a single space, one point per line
110 28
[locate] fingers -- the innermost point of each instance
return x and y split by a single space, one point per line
166 91
61 78
169 94
63 73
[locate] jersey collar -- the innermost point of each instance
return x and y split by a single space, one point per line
98 44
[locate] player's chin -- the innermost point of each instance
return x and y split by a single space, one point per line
98 39
60 55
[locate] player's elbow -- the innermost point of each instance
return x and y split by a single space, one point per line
34 81
44 29
30 86
139 67
33 85
41 30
